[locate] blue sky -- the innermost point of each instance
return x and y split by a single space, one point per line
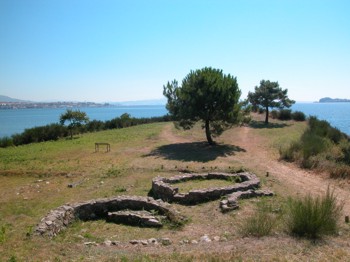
127 50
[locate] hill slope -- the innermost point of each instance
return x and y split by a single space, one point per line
8 99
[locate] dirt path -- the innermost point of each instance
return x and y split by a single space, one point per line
288 174
168 135
260 156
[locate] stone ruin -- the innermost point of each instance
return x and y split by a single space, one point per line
134 210
148 212
244 185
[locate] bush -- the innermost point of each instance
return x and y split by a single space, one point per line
274 114
56 131
312 144
321 146
6 141
40 134
298 116
285 114
324 129
289 153
313 217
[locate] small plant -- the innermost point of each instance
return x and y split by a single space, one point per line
2 234
114 172
12 259
120 189
29 232
261 222
313 217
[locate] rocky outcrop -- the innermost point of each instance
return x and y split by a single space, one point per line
105 208
165 189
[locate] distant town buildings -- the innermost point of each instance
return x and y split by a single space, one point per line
31 105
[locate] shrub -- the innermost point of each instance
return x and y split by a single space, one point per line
40 134
6 141
312 144
313 217
56 131
274 114
345 148
298 116
334 134
285 114
323 147
289 153
324 129
95 125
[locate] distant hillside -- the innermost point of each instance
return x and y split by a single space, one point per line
10 99
333 100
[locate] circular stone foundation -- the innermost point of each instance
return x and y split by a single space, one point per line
165 188
120 209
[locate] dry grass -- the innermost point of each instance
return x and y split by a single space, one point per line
34 179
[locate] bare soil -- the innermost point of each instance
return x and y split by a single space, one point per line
165 154
287 179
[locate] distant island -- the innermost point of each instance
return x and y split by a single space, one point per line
333 100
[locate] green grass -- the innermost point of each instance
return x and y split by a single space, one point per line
34 179
185 187
75 155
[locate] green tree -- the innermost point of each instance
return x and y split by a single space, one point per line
269 95
75 118
206 95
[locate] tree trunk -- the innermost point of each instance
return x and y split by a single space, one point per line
207 132
267 115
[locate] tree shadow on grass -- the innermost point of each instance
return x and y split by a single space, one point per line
196 151
260 125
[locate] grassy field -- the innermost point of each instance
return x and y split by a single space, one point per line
34 179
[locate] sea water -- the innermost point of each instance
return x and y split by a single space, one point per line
14 121
337 114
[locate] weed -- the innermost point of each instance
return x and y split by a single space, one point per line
261 222
114 172
12 259
2 234
29 231
120 189
313 217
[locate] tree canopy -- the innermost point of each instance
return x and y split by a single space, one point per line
205 95
269 95
75 119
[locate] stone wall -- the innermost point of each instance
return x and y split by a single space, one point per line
165 188
231 201
58 219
